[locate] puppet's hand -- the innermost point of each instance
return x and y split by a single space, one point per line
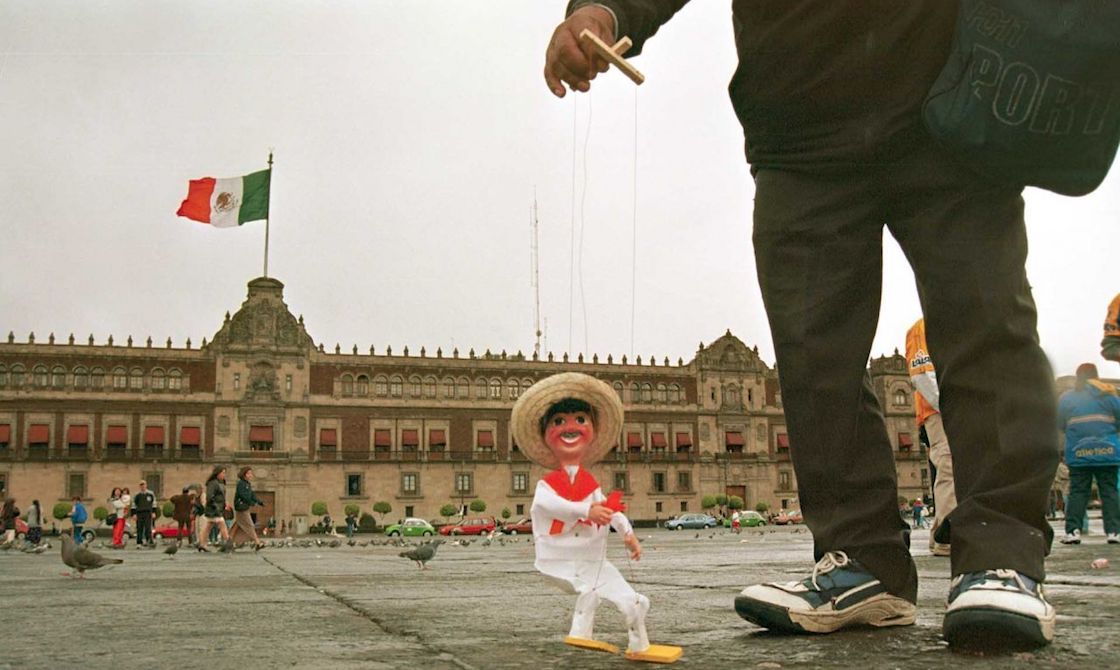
635 547
600 514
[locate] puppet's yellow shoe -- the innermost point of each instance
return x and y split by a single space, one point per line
586 643
657 653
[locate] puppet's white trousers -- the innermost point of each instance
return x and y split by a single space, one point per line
590 580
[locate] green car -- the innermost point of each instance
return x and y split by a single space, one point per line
411 527
747 519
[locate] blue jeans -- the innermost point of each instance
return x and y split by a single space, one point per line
1080 485
77 532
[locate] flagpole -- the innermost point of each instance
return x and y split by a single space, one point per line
266 216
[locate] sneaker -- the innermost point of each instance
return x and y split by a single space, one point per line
997 610
1072 537
1114 538
840 593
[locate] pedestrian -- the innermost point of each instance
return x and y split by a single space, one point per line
272 526
927 408
918 509
283 527
568 422
78 517
735 522
243 500
830 97
198 511
8 515
1110 345
182 505
34 523
214 511
118 516
351 524
145 506
1089 414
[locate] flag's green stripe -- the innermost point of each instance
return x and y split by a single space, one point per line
254 197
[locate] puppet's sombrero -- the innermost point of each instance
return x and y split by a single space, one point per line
535 401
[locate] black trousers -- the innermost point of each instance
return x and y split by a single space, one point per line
143 527
818 242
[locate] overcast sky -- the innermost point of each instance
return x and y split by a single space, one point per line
410 137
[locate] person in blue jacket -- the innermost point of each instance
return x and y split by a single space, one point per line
1090 415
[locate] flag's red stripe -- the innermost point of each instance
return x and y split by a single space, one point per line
197 205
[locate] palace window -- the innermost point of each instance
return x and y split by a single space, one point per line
58 377
659 482
97 378
396 387
175 380
464 483
347 384
521 482
410 483
260 438
81 378
39 376
362 386
353 484
380 387
159 380
136 379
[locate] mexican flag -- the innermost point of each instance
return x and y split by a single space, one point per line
224 203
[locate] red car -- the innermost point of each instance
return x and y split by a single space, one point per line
525 526
167 530
473 526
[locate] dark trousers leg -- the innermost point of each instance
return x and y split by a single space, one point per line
818 248
1110 498
967 243
1080 485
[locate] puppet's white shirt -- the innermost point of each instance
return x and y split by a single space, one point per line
577 539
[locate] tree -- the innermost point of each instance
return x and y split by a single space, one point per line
61 510
100 513
366 522
318 508
167 509
506 513
382 508
351 510
735 502
721 499
761 507
478 506
448 511
708 502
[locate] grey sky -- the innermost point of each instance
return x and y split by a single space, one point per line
410 137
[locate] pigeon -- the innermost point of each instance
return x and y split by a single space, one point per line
226 547
335 543
39 548
172 550
82 559
352 543
422 554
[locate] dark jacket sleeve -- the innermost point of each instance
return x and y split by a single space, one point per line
637 19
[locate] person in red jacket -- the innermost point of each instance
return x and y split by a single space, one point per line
830 98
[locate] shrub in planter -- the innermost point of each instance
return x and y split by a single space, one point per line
351 509
60 510
382 508
100 513
167 509
761 507
448 511
478 506
318 508
367 523
708 502
506 514
735 502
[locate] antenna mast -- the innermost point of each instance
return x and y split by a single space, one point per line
535 278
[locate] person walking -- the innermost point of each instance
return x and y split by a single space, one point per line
144 505
182 506
243 500
119 516
34 523
1090 414
215 506
830 95
78 517
918 508
351 524
8 515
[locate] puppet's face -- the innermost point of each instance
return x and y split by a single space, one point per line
568 435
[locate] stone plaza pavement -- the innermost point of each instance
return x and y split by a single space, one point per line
485 607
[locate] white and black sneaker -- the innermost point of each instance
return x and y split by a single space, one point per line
1072 537
839 594
1114 538
997 610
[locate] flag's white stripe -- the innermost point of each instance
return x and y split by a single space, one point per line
225 202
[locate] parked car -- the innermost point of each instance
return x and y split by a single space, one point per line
106 530
795 516
471 526
692 521
747 519
411 527
167 530
524 526
784 517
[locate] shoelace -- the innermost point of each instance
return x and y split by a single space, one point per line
829 562
1003 574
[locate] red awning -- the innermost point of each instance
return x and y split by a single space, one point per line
153 434
382 437
328 437
39 433
734 439
486 438
116 435
684 440
436 438
190 435
783 441
657 440
904 440
410 438
633 439
260 433
77 435
5 432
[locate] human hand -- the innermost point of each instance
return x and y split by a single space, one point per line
600 514
635 547
568 59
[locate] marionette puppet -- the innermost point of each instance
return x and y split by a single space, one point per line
567 422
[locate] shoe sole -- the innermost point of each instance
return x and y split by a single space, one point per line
879 611
995 630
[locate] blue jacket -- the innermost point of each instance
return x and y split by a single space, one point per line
1090 418
78 516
